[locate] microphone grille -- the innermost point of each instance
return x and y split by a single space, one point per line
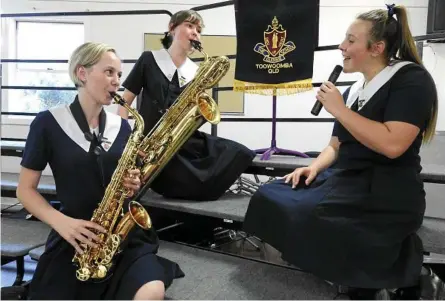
338 68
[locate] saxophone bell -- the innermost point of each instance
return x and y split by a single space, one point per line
208 108
136 215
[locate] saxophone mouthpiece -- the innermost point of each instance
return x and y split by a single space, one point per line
117 98
196 45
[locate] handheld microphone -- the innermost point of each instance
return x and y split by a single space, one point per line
333 79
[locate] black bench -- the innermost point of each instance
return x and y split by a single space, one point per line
281 165
19 236
234 208
12 148
9 183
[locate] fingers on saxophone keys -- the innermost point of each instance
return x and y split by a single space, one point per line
81 237
76 246
132 183
134 173
142 154
90 237
93 225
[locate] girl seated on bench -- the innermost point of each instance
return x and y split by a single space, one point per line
206 166
82 143
351 216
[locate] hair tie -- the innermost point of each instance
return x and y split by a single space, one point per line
390 10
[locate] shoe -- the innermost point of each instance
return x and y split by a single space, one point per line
432 287
365 294
16 292
408 293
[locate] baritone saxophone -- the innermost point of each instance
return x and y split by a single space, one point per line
191 110
95 262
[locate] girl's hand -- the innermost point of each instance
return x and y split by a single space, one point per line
133 181
331 98
77 232
309 172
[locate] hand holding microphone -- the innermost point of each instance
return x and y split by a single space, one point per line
327 91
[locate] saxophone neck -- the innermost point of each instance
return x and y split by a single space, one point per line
139 121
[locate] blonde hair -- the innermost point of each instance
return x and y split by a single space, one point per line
395 32
86 55
400 45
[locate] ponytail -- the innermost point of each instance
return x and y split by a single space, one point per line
430 130
167 40
408 49
400 45
408 52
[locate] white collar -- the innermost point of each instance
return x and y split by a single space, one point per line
365 94
186 72
66 121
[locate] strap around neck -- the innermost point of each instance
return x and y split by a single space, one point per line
82 122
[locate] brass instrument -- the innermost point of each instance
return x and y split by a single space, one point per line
191 110
96 262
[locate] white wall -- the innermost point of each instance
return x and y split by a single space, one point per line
126 34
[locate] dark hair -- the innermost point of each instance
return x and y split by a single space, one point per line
177 19
400 45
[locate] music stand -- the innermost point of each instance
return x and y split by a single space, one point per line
273 149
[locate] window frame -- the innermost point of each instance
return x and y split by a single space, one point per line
9 70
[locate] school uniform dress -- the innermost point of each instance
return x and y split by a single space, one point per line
356 223
205 166
82 168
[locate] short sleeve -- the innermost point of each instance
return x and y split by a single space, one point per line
135 79
36 153
336 123
335 129
411 97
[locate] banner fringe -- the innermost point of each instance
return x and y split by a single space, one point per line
288 88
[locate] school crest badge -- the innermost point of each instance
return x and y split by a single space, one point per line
275 46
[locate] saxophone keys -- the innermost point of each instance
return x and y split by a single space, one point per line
83 274
113 205
105 224
101 271
109 215
149 157
102 237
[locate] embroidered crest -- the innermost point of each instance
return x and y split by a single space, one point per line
106 144
275 46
